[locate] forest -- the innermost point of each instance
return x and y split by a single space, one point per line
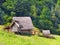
45 14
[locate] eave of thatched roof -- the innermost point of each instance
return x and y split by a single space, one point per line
26 22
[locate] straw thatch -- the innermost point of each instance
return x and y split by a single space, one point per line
46 32
21 23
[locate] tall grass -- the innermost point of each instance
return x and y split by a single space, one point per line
7 38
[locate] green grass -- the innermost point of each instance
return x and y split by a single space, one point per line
13 39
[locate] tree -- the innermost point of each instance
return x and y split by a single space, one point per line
1 16
2 1
45 19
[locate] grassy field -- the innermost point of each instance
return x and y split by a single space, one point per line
13 39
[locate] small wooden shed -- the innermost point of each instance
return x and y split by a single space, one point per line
47 34
22 24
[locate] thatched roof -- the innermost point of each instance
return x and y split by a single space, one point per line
26 22
46 32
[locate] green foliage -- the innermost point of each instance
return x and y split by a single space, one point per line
1 16
45 14
9 4
45 24
13 39
7 19
34 10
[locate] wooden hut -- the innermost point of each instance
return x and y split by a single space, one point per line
46 33
22 24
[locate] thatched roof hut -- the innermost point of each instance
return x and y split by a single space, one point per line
21 23
46 32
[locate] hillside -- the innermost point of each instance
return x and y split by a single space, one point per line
45 14
14 39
